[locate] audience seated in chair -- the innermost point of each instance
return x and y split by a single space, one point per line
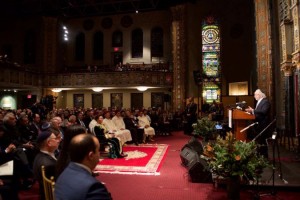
123 135
76 182
63 158
8 183
48 143
120 124
134 128
144 122
10 135
106 138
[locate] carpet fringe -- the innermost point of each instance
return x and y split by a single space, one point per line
129 173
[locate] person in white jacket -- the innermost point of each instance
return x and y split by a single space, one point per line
124 134
144 122
120 124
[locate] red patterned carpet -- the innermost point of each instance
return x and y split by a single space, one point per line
173 182
144 160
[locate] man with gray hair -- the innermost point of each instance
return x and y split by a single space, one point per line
261 113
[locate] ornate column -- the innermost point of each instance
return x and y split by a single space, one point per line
286 62
296 65
179 55
289 99
286 39
264 48
297 100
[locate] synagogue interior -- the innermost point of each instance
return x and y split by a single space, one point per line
152 54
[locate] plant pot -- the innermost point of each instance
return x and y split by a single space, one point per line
233 188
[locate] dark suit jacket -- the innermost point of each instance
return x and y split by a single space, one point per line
129 124
49 163
35 129
77 183
262 113
191 113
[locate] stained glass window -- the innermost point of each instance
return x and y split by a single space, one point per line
211 60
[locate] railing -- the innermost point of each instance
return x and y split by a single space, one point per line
138 66
20 77
106 79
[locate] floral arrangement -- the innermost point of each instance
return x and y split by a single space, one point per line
231 158
204 128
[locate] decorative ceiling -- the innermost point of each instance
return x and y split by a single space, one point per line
82 8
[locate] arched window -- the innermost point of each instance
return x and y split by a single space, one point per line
98 46
137 43
80 47
29 47
157 42
211 60
117 39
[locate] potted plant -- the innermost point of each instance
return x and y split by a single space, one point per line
205 128
234 160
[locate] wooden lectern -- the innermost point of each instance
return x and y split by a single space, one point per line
240 118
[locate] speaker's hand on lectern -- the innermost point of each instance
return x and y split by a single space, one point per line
249 110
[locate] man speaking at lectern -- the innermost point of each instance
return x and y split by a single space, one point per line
261 113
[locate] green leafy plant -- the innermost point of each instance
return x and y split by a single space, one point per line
231 158
204 128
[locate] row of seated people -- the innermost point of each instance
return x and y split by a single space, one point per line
162 122
24 138
51 144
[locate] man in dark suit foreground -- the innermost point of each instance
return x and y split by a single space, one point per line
261 113
48 143
76 181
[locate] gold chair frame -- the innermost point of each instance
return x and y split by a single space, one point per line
48 185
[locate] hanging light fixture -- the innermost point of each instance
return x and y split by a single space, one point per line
56 90
142 88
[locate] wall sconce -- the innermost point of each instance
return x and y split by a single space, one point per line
97 89
142 88
56 90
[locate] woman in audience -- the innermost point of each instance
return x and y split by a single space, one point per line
104 135
63 158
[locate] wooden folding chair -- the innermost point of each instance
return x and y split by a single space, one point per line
48 185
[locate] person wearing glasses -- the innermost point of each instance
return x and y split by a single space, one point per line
48 143
262 117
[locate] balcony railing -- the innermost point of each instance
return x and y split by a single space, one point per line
20 78
108 79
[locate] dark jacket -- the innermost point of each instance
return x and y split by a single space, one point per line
49 163
262 112
77 183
